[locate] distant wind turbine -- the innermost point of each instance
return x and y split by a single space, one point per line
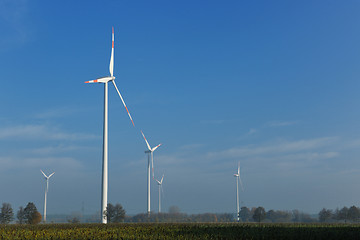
238 180
46 190
150 158
160 190
105 80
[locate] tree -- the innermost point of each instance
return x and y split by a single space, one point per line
343 214
354 213
6 214
245 214
259 214
109 212
114 213
282 216
36 218
31 215
119 213
325 215
271 215
298 216
20 215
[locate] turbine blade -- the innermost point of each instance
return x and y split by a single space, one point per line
43 173
162 179
242 187
111 66
123 102
152 164
158 181
92 81
238 169
51 174
156 147
146 141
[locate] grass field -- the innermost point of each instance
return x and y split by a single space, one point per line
181 231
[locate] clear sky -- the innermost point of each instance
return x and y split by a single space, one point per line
272 84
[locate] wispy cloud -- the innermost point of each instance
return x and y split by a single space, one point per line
279 153
58 149
9 163
252 131
274 147
41 132
55 113
193 146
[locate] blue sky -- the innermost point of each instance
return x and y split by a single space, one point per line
270 84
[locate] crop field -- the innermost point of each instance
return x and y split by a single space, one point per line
181 231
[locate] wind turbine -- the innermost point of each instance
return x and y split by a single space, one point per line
150 156
46 190
238 180
160 188
105 80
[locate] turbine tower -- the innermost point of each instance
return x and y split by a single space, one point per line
105 81
160 189
238 180
46 190
150 158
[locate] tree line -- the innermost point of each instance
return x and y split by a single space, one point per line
29 214
258 214
116 213
345 214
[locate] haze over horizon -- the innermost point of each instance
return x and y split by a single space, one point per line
273 85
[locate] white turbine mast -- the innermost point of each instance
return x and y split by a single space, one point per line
105 80
238 180
46 191
150 158
160 190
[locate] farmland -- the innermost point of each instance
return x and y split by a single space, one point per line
181 231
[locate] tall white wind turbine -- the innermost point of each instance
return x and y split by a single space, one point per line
46 190
160 189
150 158
238 180
105 80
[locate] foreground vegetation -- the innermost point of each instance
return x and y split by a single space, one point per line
180 231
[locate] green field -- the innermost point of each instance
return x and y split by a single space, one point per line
181 231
